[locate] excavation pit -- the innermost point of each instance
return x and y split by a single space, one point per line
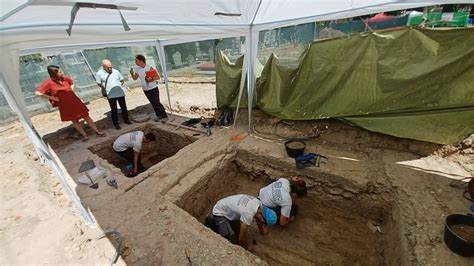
166 145
329 229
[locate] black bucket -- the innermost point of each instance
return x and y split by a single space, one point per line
295 148
455 242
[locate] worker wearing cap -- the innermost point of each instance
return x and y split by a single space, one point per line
280 195
232 216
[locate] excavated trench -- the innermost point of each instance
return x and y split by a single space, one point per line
338 223
166 145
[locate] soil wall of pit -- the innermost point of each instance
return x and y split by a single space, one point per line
166 145
336 223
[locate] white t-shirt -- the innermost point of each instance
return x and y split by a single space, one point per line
114 84
277 194
129 140
238 207
141 71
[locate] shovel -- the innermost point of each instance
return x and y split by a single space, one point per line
86 166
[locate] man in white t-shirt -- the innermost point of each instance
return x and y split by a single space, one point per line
111 81
129 146
148 77
280 195
232 216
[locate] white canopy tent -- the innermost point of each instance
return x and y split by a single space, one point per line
30 26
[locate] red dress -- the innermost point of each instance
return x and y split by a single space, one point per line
71 108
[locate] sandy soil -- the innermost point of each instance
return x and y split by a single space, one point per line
39 224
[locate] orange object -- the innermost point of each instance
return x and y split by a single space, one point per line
236 137
152 73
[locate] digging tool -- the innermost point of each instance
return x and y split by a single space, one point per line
86 166
178 126
94 185
309 159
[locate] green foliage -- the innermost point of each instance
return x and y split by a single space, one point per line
31 58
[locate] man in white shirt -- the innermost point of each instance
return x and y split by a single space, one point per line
129 146
150 88
280 196
232 216
111 81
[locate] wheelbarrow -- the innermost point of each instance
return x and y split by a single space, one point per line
207 123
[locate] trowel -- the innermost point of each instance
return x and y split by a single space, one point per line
86 166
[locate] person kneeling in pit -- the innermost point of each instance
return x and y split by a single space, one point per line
232 216
280 195
129 146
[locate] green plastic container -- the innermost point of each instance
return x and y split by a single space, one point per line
415 20
433 19
460 19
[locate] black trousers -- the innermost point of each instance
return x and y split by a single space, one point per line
128 154
154 97
293 212
113 109
224 227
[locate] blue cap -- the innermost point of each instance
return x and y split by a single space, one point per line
269 215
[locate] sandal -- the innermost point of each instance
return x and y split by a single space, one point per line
100 134
84 139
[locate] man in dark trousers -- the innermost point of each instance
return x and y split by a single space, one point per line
280 196
148 77
110 81
129 146
232 216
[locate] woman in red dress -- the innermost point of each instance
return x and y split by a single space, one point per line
58 89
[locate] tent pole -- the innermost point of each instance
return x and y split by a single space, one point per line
242 80
43 151
88 65
161 55
253 41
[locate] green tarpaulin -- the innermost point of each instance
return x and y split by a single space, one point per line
406 83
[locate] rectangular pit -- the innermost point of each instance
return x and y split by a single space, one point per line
330 229
166 145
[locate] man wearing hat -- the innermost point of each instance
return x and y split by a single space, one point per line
232 216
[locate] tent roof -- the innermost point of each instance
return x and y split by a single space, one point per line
38 23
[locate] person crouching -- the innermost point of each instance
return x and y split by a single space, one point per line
232 216
129 146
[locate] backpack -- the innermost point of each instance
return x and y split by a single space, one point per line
226 118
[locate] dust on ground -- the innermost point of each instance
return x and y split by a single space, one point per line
39 224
